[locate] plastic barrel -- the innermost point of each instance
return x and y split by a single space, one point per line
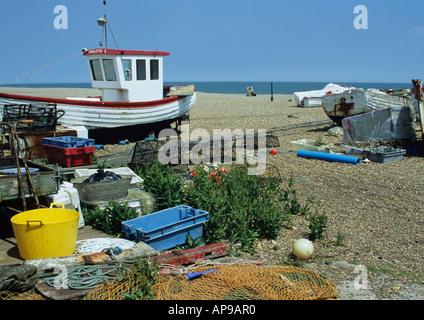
328 157
46 233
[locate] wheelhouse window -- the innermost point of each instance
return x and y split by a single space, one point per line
127 67
141 69
96 70
154 69
109 68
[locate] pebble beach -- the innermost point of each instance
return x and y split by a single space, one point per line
375 208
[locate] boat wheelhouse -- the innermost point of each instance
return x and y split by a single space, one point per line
127 75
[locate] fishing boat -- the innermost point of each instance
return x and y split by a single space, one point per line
133 91
358 101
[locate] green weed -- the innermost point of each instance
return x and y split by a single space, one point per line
109 220
318 223
146 278
162 182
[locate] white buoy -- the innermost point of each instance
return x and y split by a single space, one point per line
303 248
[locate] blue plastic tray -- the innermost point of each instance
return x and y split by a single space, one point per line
68 142
168 228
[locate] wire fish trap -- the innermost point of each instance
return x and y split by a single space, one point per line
146 151
43 116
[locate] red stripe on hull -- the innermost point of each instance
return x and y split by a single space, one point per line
100 104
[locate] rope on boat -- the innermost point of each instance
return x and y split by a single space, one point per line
40 69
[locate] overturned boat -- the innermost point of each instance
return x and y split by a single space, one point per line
357 101
313 98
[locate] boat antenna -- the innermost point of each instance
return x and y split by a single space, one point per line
103 22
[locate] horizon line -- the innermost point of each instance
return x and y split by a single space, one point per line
221 81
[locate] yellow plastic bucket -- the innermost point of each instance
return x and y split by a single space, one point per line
46 233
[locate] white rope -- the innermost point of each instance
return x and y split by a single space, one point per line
99 244
40 69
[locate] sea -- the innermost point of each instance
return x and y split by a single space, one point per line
241 87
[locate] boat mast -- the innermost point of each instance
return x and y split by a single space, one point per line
103 22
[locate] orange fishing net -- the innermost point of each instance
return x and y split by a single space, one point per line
227 282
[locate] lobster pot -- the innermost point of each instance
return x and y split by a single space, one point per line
43 116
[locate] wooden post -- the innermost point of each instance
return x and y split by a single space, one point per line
272 92
418 85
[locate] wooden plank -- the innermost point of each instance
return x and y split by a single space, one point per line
44 181
34 140
418 87
53 293
421 111
184 257
140 250
183 91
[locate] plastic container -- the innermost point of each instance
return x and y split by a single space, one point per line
168 228
98 193
379 155
68 142
70 157
68 195
46 233
353 150
413 150
122 171
310 145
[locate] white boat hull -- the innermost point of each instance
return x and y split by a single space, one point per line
101 115
357 101
311 102
308 99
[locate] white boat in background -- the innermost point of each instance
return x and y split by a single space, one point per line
132 87
313 98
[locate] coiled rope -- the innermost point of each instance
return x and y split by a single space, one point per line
85 277
88 277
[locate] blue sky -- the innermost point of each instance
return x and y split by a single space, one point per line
221 40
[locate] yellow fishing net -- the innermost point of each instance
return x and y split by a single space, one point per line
7 295
227 282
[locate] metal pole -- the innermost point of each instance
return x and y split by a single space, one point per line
419 97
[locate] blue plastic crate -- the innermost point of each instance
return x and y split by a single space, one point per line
168 228
68 142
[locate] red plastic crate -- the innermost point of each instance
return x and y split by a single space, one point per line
70 157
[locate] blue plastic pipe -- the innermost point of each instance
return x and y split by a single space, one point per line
194 275
328 157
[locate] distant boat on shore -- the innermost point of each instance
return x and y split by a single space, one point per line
133 92
313 98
